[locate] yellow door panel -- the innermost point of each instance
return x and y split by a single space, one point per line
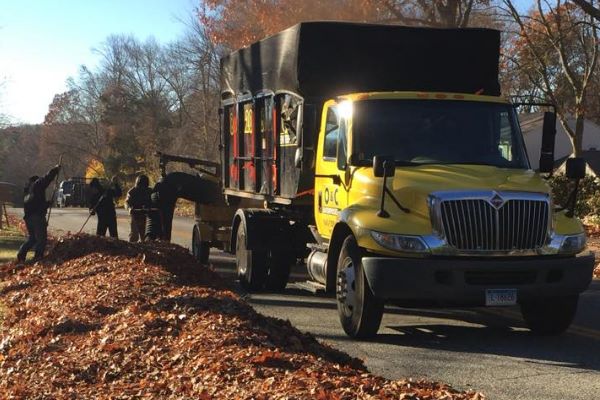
332 196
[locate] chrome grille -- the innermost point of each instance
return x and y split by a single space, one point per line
475 224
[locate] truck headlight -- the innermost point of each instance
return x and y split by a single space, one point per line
412 244
573 244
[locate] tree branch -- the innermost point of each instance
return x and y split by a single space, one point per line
588 8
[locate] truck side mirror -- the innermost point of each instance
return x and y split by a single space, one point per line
576 168
384 166
548 139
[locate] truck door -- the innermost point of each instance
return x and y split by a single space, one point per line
331 194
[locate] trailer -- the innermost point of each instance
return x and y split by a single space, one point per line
387 158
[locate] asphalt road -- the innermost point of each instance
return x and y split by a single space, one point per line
487 349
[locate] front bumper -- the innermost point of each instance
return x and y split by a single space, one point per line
464 280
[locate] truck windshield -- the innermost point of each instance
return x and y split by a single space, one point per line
420 132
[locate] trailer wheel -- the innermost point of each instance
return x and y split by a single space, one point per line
550 316
280 264
200 249
251 264
359 310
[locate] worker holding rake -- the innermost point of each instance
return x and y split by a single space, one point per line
35 209
138 203
102 204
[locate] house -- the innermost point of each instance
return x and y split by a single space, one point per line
531 126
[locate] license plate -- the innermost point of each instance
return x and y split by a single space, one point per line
500 297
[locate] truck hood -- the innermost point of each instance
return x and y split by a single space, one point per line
413 185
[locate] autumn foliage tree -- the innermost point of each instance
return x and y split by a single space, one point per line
235 24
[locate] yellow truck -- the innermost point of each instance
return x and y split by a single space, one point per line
386 157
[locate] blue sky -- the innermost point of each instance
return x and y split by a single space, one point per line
43 42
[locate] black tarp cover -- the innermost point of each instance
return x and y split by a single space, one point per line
326 59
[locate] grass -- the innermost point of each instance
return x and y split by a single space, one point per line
10 241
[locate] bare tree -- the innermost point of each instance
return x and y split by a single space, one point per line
4 118
588 8
557 53
437 13
73 126
198 60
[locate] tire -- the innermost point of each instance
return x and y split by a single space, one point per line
359 311
550 316
200 249
251 265
280 264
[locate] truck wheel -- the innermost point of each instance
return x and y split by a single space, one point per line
200 249
360 312
280 264
251 264
550 316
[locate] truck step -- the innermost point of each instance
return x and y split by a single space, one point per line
311 286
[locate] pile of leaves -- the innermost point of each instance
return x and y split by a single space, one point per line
101 318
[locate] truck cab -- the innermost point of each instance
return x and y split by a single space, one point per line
429 197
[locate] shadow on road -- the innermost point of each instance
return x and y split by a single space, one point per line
567 350
488 334
472 330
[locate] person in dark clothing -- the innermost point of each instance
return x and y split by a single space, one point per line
102 203
35 207
154 227
138 204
